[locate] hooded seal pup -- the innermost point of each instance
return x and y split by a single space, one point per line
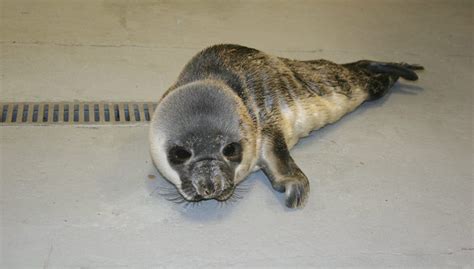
234 110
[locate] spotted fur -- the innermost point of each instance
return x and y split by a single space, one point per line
278 101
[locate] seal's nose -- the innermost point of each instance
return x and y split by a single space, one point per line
208 179
205 188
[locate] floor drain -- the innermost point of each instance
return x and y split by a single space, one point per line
81 113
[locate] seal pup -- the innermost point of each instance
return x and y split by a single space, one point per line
234 110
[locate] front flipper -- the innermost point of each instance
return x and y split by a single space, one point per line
282 170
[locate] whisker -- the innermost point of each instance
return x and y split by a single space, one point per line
223 203
151 193
241 188
171 195
181 202
240 191
236 196
176 200
173 198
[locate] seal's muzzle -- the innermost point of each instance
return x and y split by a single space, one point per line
211 178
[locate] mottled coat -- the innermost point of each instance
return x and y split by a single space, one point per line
277 101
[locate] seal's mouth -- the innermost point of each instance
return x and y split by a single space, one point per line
226 194
223 196
209 179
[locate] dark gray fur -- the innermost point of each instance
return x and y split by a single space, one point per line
268 83
205 121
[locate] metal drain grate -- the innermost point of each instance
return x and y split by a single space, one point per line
72 113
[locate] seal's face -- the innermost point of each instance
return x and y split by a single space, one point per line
205 162
201 142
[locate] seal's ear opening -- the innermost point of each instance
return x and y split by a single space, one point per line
178 155
233 152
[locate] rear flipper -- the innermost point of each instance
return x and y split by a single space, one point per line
381 76
403 70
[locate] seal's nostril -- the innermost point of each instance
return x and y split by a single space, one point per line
206 188
209 188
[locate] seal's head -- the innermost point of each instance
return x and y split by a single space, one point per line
202 140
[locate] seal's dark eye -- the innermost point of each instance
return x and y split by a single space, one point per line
178 155
233 152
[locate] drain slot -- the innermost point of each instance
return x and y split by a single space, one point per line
147 112
136 110
35 113
14 113
66 113
76 113
45 113
95 113
127 113
4 113
116 112
107 112
86 113
56 113
25 113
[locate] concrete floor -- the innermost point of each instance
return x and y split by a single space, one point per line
392 183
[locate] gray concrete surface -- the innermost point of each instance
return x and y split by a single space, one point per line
392 183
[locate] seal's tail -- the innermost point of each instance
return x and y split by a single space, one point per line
403 70
383 75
